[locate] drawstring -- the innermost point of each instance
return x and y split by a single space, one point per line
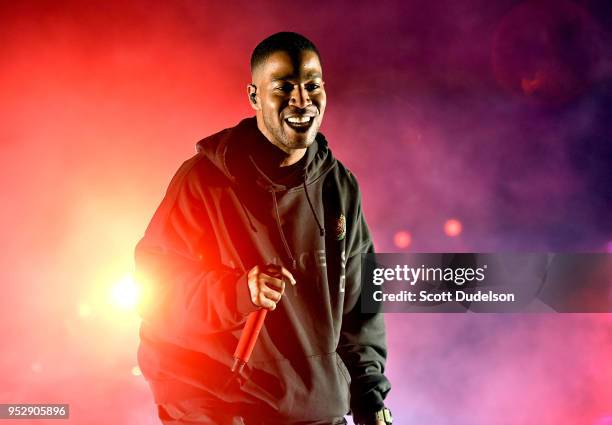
280 231
280 228
278 223
321 229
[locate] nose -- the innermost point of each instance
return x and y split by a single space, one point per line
299 97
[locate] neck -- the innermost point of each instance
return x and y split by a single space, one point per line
291 158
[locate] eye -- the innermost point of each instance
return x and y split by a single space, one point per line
312 86
284 88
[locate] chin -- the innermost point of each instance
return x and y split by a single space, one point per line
301 143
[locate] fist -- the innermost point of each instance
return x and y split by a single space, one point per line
267 284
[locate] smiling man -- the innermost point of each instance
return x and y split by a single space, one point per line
263 216
288 96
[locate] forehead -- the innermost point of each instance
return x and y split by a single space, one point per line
282 65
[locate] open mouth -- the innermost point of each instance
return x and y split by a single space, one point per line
299 123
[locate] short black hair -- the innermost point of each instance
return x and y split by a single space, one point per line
290 42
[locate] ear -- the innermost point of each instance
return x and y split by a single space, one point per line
253 98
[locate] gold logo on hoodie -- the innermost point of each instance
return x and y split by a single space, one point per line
341 227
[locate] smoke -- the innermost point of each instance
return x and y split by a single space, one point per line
509 369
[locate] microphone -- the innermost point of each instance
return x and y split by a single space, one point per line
248 339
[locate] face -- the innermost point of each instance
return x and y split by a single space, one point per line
290 99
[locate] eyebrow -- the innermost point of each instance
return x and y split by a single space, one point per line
310 75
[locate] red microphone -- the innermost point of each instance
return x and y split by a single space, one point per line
248 339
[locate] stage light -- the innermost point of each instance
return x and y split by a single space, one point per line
125 293
452 227
402 239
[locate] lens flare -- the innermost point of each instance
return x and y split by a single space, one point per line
125 294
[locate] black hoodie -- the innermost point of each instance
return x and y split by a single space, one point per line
222 215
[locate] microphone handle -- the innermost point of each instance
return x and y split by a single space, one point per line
248 339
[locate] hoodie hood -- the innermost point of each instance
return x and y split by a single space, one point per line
232 152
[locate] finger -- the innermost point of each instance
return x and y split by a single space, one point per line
266 303
253 272
273 286
286 273
272 295
272 282
281 271
272 270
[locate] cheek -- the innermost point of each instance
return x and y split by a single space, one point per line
271 100
272 109
322 102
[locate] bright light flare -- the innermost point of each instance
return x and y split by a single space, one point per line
125 294
453 227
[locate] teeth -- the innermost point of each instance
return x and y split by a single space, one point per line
298 120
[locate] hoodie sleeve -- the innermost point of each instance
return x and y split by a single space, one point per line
362 344
187 291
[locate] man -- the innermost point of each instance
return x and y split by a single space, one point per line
263 216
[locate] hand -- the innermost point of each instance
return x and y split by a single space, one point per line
377 423
267 284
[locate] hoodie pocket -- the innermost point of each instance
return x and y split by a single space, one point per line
307 388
